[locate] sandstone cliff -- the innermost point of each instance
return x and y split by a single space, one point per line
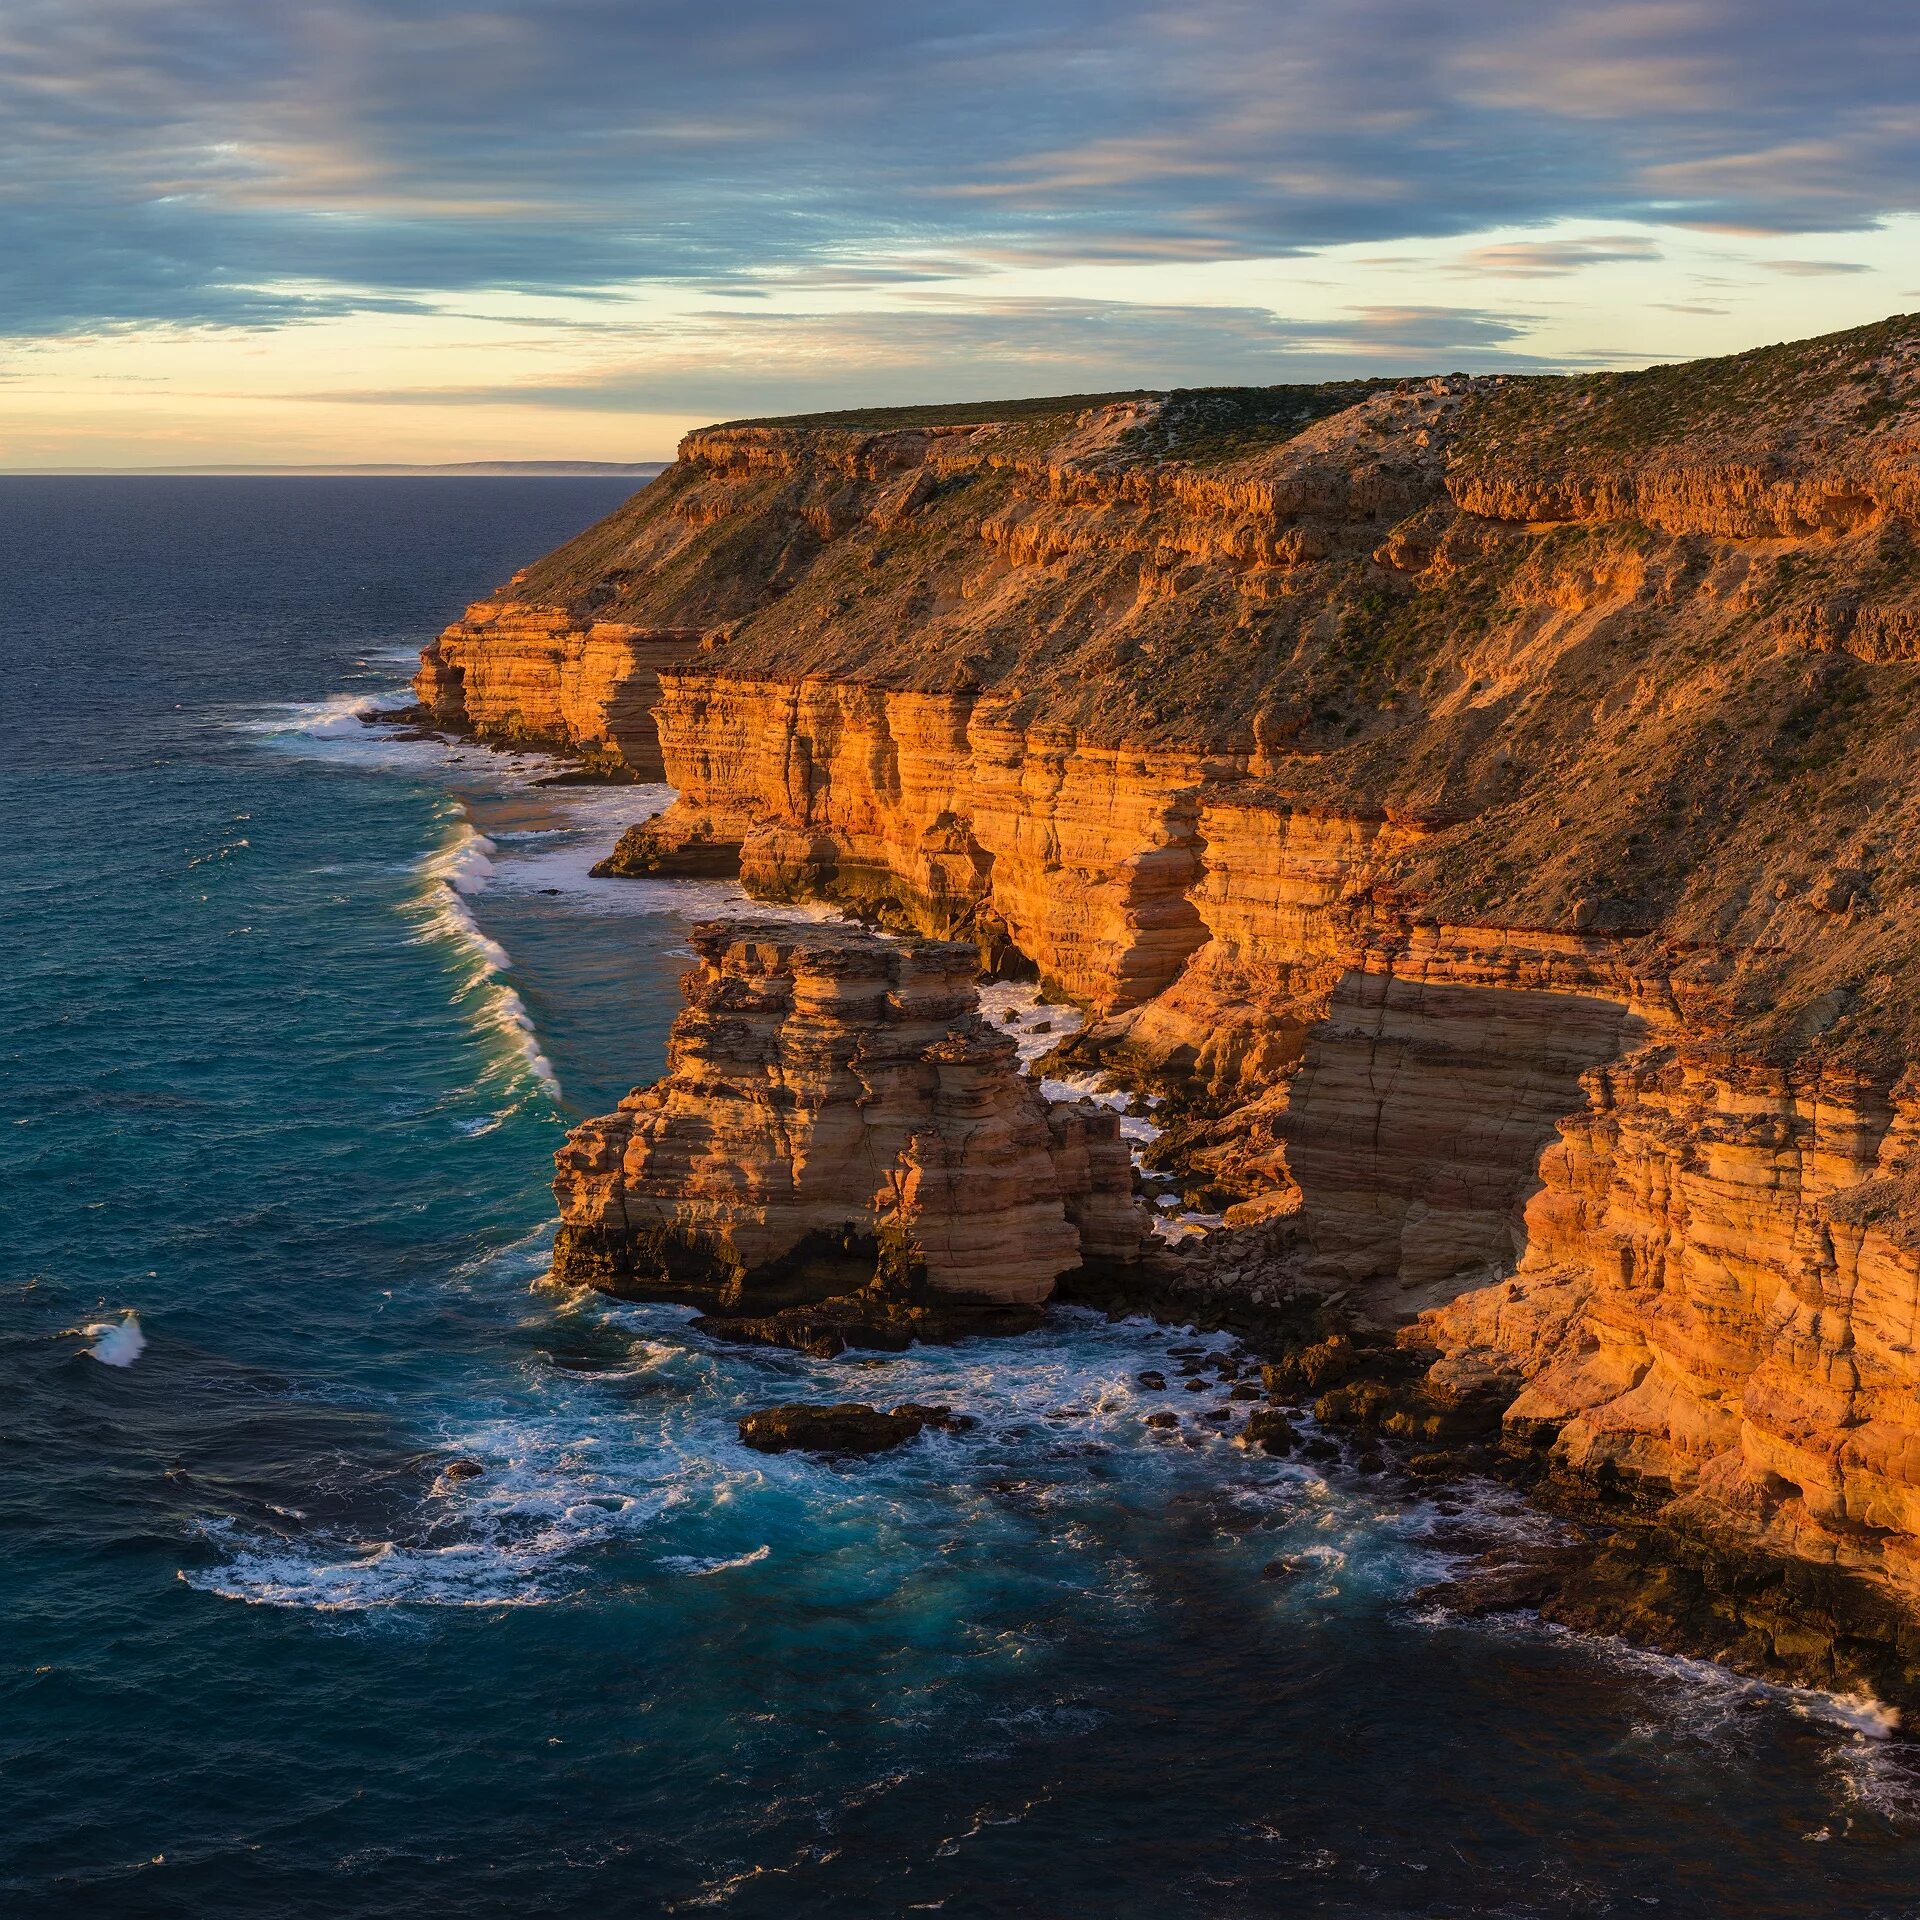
837 1120
1485 809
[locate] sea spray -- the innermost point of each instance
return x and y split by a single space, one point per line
117 1343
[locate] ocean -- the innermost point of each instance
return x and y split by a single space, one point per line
389 1581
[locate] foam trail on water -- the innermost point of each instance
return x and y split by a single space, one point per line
699 1568
520 1529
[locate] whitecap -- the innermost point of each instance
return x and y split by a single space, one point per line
542 1501
693 1564
460 867
117 1343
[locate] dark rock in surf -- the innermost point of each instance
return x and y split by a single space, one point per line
849 1426
1269 1431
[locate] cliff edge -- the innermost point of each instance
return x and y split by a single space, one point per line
1485 809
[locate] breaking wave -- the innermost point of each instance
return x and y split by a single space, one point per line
457 871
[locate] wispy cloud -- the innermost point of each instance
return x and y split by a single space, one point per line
728 364
1814 269
1544 259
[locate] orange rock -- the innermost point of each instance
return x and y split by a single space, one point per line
1488 804
834 1110
527 676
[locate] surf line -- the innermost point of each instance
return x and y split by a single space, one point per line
454 873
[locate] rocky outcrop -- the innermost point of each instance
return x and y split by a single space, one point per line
849 1426
527 676
909 807
1719 1300
1482 810
841 1139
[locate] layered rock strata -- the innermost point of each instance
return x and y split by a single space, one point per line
522 676
1484 809
836 1121
1719 1300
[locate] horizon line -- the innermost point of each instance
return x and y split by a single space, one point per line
473 469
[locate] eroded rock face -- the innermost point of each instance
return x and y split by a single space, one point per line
1485 808
529 676
837 1120
1719 1300
917 808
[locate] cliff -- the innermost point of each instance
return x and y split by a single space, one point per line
837 1125
1484 808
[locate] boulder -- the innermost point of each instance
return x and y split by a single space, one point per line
848 1426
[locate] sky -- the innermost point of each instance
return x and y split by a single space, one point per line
287 231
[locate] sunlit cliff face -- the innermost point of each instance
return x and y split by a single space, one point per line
1484 806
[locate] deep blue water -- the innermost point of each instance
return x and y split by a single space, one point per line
273 1079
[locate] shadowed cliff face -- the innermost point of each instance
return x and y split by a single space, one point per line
1487 804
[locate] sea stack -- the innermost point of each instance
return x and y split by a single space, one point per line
838 1129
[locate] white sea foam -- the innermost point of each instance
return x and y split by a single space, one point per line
1682 1702
353 1577
544 1497
340 716
1036 1026
700 1568
471 864
348 728
117 1343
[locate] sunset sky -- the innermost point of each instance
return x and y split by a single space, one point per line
416 230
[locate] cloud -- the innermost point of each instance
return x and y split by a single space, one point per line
738 364
227 163
1540 259
1814 269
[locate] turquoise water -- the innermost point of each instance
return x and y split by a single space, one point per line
287 1049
